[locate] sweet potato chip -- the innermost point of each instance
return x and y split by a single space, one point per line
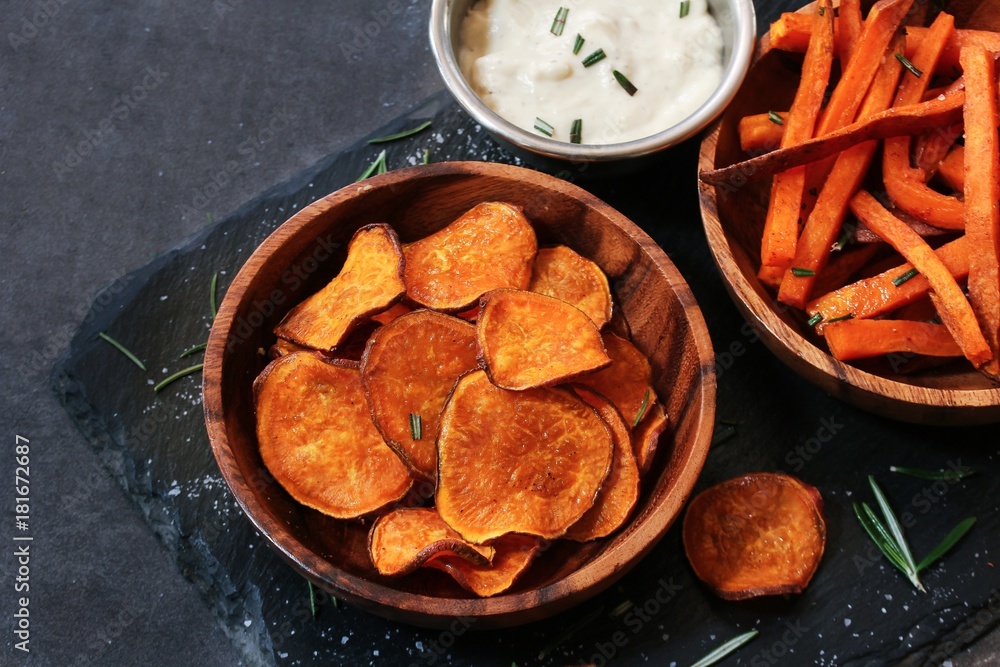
396 310
620 491
531 340
627 382
370 281
283 347
564 274
317 438
760 534
491 246
405 539
408 369
646 437
527 462
514 553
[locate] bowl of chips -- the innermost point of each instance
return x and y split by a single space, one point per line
460 390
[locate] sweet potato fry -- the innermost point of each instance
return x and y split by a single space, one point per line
982 190
931 149
951 170
489 247
514 553
760 534
950 301
370 281
857 339
563 273
408 370
318 441
759 133
530 340
848 29
627 382
646 437
526 462
405 539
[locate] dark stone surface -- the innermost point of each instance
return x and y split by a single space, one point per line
239 95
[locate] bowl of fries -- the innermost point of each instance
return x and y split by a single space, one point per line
496 441
858 232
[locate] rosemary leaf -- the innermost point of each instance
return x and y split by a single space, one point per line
848 316
685 8
815 319
427 156
642 408
312 599
727 648
625 83
880 536
947 543
401 135
595 57
124 350
897 533
902 278
801 272
416 426
193 350
578 44
723 434
178 375
378 166
212 298
775 118
544 127
845 237
576 131
908 65
932 475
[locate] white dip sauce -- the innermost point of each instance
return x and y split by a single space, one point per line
523 71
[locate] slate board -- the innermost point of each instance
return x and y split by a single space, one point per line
858 610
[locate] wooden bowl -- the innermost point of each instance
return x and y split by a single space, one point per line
734 219
299 257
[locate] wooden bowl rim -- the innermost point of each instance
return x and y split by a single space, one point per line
592 577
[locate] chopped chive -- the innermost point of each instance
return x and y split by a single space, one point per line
685 8
900 279
802 273
642 408
578 44
427 156
815 319
947 543
727 648
625 83
544 127
595 57
376 167
416 426
124 350
193 350
559 22
401 135
178 375
312 599
775 118
576 131
848 316
212 299
908 65
932 475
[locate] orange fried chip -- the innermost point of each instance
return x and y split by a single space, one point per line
370 281
408 369
317 438
760 534
405 539
564 274
514 554
283 347
491 246
620 491
531 340
518 461
627 382
646 437
386 316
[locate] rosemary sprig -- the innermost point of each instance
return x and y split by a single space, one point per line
578 44
212 298
685 8
544 127
801 272
815 319
576 131
124 350
376 167
625 83
903 277
908 65
921 473
178 375
559 22
727 648
416 426
775 118
401 135
642 409
193 350
594 58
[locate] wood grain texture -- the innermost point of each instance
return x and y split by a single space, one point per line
733 216
299 258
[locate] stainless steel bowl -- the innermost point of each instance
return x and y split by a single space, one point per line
738 23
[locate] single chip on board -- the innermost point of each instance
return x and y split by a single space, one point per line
514 553
527 462
564 274
620 490
759 534
646 436
370 281
317 438
627 382
404 539
408 370
491 246
530 340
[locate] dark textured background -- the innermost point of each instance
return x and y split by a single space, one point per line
222 100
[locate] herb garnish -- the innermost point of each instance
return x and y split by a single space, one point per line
416 426
815 319
921 473
178 375
595 57
576 131
312 599
723 434
844 239
544 127
642 408
888 537
193 350
559 22
427 156
848 316
124 350
212 295
801 272
908 65
376 167
685 8
401 135
578 44
775 118
727 648
625 83
902 278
